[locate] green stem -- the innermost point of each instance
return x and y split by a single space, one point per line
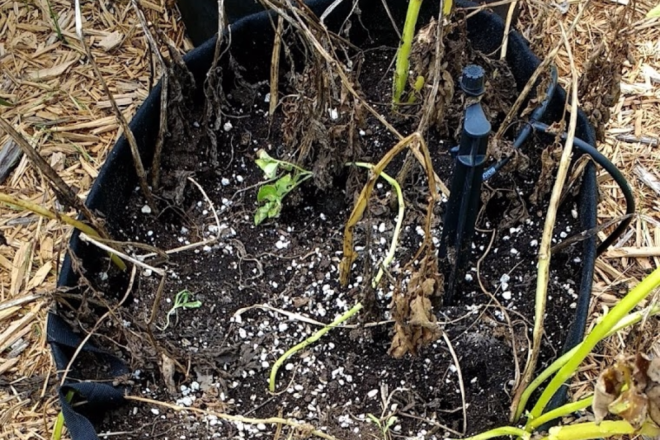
499 432
589 430
39 210
56 23
59 421
403 54
556 413
609 321
629 320
399 222
315 337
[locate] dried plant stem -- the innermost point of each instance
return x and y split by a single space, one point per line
546 239
543 67
461 384
98 323
135 152
86 238
507 28
275 66
212 84
63 191
230 418
164 89
436 72
399 221
413 141
82 227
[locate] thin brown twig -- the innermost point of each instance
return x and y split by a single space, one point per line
164 90
135 152
461 385
98 323
546 240
251 421
507 28
87 239
63 191
275 67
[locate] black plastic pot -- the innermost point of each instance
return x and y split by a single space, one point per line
252 39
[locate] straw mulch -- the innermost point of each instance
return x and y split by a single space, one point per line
631 141
60 107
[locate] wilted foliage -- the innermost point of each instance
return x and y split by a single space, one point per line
631 390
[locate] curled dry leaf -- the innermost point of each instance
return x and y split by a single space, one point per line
631 405
167 370
653 395
415 324
608 387
631 390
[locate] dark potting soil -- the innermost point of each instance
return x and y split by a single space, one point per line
249 277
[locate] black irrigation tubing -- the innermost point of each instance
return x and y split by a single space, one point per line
536 115
612 170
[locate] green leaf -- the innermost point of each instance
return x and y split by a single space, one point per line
5 102
284 184
267 192
192 305
275 209
181 298
373 419
269 168
655 12
261 214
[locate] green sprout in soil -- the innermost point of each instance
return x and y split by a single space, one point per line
403 54
315 337
270 195
383 425
636 422
59 421
181 301
399 222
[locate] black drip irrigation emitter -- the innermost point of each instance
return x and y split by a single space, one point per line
469 174
463 203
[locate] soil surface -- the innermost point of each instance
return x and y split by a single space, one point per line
263 289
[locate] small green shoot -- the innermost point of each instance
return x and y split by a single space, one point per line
315 337
383 425
403 54
56 22
566 366
59 421
270 195
6 102
399 221
181 301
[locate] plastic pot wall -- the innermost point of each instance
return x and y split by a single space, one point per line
252 39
